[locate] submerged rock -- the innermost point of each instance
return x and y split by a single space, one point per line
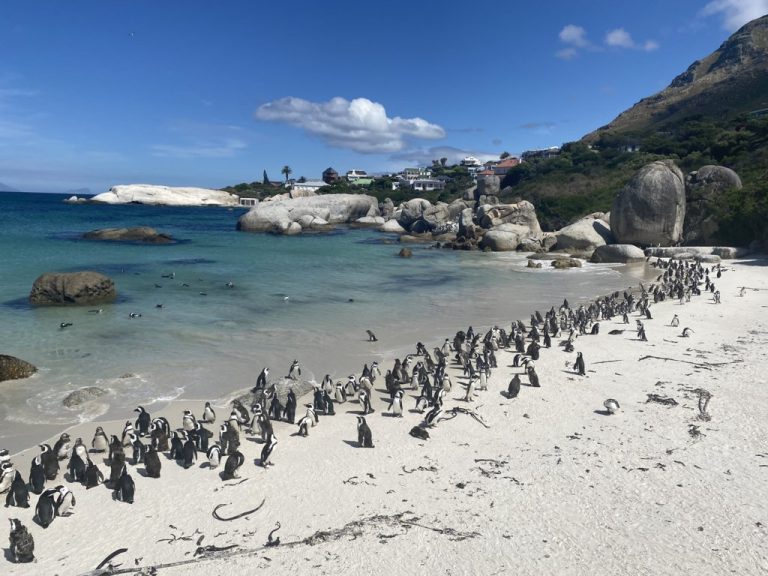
12 368
405 253
82 395
72 288
563 263
137 234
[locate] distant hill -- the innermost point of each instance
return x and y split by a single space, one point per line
716 112
6 188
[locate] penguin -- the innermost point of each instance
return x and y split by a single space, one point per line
533 378
65 501
93 476
275 408
514 387
241 413
152 462
433 415
116 452
202 436
611 406
37 476
294 371
100 442
177 446
232 465
18 494
396 406
595 329
50 462
6 476
4 456
188 421
125 487
307 420
686 332
22 544
483 380
162 424
209 416
364 435
62 447
45 511
159 437
214 455
189 453
80 450
229 438
470 395
142 421
115 470
128 429
578 366
139 450
290 407
266 451
371 336
365 400
77 468
261 381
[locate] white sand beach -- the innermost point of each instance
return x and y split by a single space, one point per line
553 485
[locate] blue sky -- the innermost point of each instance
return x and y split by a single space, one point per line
193 92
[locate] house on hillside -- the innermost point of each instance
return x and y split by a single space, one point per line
502 167
354 175
540 154
306 188
421 184
330 175
471 161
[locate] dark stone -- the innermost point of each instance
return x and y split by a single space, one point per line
12 368
405 253
143 234
82 396
73 288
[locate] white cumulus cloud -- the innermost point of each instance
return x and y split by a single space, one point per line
620 38
360 124
575 35
736 13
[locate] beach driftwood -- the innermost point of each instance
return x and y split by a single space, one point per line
705 365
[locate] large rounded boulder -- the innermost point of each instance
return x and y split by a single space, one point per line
650 209
703 191
523 213
618 253
72 288
585 234
500 241
12 368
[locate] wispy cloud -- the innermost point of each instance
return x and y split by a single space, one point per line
360 124
736 13
620 38
537 125
574 38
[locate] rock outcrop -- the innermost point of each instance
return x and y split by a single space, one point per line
277 216
500 241
651 208
703 189
72 288
143 234
12 368
564 263
165 196
618 253
82 395
585 234
487 186
523 214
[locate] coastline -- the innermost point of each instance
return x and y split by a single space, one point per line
545 489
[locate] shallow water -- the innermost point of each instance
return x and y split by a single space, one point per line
309 297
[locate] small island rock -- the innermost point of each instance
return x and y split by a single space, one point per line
12 368
72 288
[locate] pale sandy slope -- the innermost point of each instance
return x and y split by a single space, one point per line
552 487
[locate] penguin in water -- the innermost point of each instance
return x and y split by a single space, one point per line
290 407
514 387
611 406
214 455
396 406
364 435
294 371
18 495
37 476
100 442
125 487
142 421
266 451
22 544
232 466
93 476
45 511
62 446
209 416
152 462
579 366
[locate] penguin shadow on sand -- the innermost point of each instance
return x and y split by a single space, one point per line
602 412
352 443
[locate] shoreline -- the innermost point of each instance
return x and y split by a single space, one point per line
543 415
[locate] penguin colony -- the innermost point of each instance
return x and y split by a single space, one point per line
108 461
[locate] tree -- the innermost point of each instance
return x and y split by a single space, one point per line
287 171
443 161
504 155
265 179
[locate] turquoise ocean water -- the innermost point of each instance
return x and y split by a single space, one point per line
309 297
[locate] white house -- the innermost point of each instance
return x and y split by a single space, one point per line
353 175
308 187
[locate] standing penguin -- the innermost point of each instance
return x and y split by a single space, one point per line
152 462
364 435
100 442
470 395
229 438
77 468
578 366
125 487
365 400
65 501
533 378
142 421
159 437
294 371
80 450
18 495
37 476
290 407
62 447
177 446
45 511
128 430
93 476
514 387
232 465
396 406
6 476
209 416
261 381
275 408
202 436
189 453
50 461
188 421
116 452
139 449
22 544
266 451
214 455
